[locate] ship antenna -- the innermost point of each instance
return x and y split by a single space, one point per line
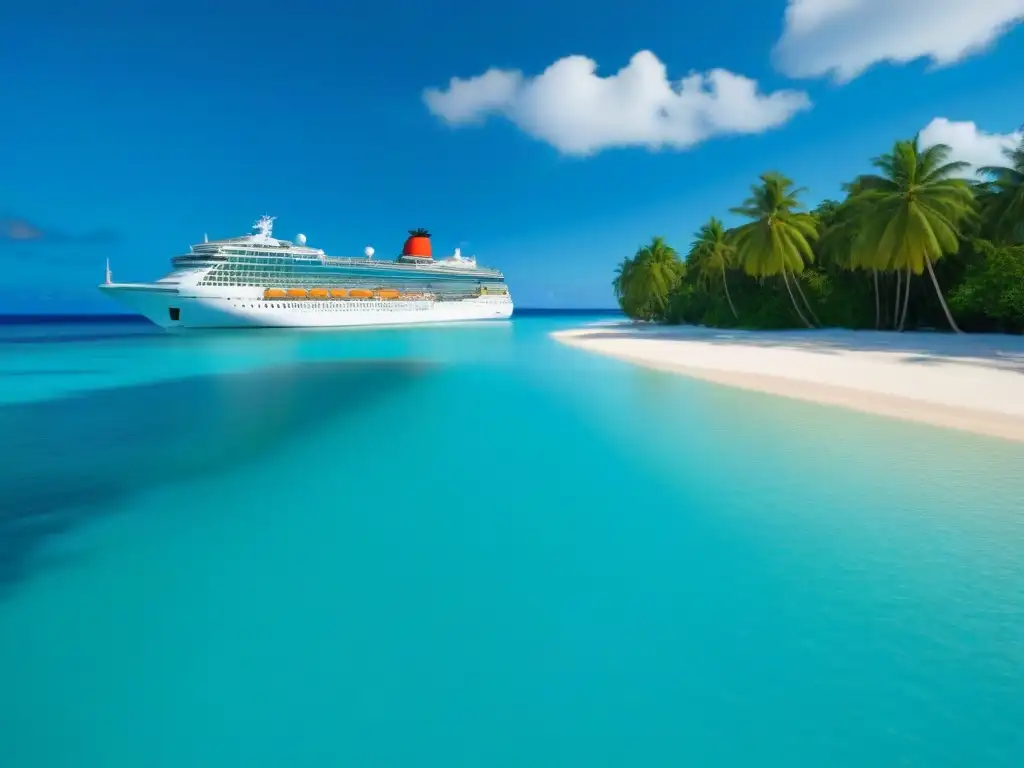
265 225
109 281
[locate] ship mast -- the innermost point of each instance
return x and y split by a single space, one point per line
265 225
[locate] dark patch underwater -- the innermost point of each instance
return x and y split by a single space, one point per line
69 459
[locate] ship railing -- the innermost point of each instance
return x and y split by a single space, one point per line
403 296
197 258
434 267
457 296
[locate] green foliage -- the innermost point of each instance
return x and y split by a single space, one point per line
1002 197
886 256
644 284
778 239
910 215
712 254
912 211
992 292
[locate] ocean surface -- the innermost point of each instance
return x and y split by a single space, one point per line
472 546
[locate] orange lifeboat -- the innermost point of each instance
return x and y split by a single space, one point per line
338 293
387 293
359 293
318 293
273 293
297 293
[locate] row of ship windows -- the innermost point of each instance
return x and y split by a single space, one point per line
263 268
331 277
285 263
315 271
284 281
276 263
299 269
255 257
448 294
335 306
257 282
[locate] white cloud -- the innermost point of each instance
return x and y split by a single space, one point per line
843 38
578 112
968 143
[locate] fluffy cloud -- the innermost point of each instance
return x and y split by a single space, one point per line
843 38
968 143
578 112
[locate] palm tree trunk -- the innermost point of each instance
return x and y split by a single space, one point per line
725 282
796 282
906 301
942 299
896 309
878 301
793 299
883 281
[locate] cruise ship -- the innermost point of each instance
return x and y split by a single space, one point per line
262 282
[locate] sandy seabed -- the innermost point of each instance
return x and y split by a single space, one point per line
973 383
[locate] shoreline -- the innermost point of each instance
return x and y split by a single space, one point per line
972 384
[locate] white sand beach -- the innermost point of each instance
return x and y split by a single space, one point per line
973 383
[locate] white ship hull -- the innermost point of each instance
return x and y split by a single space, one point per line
259 281
247 308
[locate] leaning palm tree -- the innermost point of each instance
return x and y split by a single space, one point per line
913 211
712 253
777 239
656 270
1001 196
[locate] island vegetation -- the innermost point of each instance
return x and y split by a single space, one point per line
913 245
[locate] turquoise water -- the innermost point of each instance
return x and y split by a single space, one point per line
472 546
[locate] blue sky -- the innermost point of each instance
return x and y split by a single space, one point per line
128 133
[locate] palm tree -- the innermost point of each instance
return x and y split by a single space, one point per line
620 284
1002 196
627 291
656 271
712 253
912 213
841 228
777 239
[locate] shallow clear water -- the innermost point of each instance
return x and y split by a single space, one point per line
472 546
